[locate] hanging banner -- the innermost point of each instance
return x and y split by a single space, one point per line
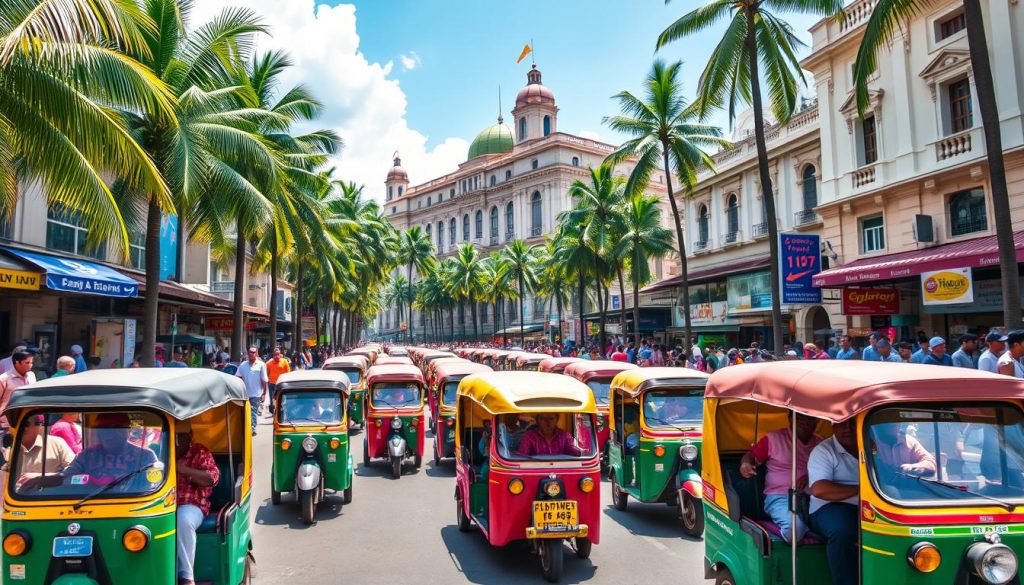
168 247
799 261
749 292
871 301
946 287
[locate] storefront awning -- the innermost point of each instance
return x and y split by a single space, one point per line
530 328
976 253
80 276
707 273
18 275
170 290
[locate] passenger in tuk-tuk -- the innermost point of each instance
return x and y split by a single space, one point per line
547 439
30 464
775 452
197 474
833 476
299 407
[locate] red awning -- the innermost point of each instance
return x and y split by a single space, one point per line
706 273
976 253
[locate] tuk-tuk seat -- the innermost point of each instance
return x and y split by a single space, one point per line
773 529
748 494
223 494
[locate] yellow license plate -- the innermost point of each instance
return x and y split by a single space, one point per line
555 515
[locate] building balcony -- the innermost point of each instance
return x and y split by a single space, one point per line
224 289
494 239
700 246
536 231
953 146
864 177
731 238
759 230
806 217
510 235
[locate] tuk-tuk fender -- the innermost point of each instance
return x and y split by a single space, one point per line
396 446
75 579
689 482
308 475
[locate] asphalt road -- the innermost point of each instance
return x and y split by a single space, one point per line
403 531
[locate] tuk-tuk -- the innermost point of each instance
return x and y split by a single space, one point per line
655 440
556 365
598 374
431 378
394 416
391 360
369 354
939 465
500 360
447 376
507 484
103 510
425 365
463 352
355 367
528 362
311 448
395 351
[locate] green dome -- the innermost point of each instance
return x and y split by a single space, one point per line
496 139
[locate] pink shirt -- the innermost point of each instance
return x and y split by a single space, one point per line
533 443
775 450
69 432
619 357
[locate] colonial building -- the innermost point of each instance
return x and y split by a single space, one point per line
513 185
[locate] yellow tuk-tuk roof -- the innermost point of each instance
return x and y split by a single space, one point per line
347 361
633 382
512 392
333 379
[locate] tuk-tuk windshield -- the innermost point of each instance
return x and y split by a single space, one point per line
674 408
449 394
546 436
928 453
395 395
125 452
353 375
601 390
318 407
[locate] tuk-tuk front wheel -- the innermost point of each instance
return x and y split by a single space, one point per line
619 496
347 494
551 558
692 511
418 461
437 454
307 505
366 452
247 572
583 546
724 577
396 467
275 497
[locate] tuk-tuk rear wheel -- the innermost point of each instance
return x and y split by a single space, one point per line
366 452
347 494
583 546
692 512
724 577
619 497
437 454
275 497
418 461
247 572
460 514
551 559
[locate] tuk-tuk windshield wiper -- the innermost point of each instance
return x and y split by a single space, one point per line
670 425
113 484
927 481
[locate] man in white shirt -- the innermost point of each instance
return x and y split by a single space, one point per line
989 359
253 372
7 364
834 480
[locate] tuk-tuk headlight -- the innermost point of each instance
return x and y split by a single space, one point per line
309 444
553 489
994 563
17 543
659 450
688 452
586 485
335 443
924 557
515 486
396 423
415 422
135 538
286 444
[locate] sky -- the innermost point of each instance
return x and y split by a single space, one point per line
422 77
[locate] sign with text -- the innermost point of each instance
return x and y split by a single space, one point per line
871 301
800 260
946 287
168 247
19 279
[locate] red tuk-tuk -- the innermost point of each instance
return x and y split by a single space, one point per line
556 365
394 415
598 374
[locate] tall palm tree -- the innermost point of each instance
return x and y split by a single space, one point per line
395 295
643 238
885 18
520 262
666 134
467 279
415 251
756 45
570 250
556 281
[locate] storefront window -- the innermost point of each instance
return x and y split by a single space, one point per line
137 243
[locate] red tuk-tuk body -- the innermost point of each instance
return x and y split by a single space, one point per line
556 365
394 405
598 374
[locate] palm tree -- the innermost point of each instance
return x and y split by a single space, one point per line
520 262
495 286
415 251
757 44
395 296
885 18
556 280
643 238
571 251
467 279
664 133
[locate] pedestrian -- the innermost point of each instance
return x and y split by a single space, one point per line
80 363
1009 362
870 353
619 355
20 375
176 361
277 365
922 352
65 366
846 350
964 357
158 357
820 353
253 372
990 357
937 355
94 362
7 364
883 349
906 350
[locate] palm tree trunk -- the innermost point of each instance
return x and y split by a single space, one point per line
316 321
408 330
766 187
636 311
522 312
472 311
273 296
238 328
622 308
451 321
681 244
582 342
151 303
602 337
558 304
297 324
984 85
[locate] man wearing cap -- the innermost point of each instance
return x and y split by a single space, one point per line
937 355
197 474
883 349
1009 362
989 359
964 357
76 352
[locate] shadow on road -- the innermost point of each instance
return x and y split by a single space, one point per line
480 562
657 520
381 468
287 513
444 469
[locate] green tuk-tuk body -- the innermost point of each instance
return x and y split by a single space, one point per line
355 367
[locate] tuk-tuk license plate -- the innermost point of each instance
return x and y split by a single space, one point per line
555 515
72 546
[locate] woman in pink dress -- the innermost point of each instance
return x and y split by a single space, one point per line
68 429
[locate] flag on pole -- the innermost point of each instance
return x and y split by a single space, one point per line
527 49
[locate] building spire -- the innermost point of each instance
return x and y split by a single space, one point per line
501 120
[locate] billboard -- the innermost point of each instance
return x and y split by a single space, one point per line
799 261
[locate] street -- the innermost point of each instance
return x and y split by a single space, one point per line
403 531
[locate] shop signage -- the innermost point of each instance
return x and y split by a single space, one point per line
220 323
988 298
799 261
81 276
615 302
129 342
748 293
19 279
946 287
703 314
871 301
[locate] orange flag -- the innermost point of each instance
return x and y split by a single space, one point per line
527 49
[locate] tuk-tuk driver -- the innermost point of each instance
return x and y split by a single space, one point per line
832 473
547 439
197 474
899 452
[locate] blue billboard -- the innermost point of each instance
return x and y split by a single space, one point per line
800 260
169 247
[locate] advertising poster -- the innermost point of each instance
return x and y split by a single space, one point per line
800 260
750 292
946 287
169 247
129 342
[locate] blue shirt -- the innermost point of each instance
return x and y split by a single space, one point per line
846 354
871 354
893 357
933 360
962 359
918 357
630 355
80 365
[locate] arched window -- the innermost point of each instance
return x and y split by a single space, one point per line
522 128
451 232
535 214
547 125
391 193
534 164
494 224
476 182
509 221
575 161
399 190
732 214
702 223
494 180
440 235
465 228
810 187
440 197
479 224
508 174
429 200
430 231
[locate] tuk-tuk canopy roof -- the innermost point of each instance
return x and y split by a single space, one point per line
512 392
391 360
554 362
462 367
394 373
314 379
586 370
839 389
525 357
437 355
180 392
347 361
638 380
454 359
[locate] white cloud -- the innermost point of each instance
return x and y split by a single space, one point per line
410 61
363 103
